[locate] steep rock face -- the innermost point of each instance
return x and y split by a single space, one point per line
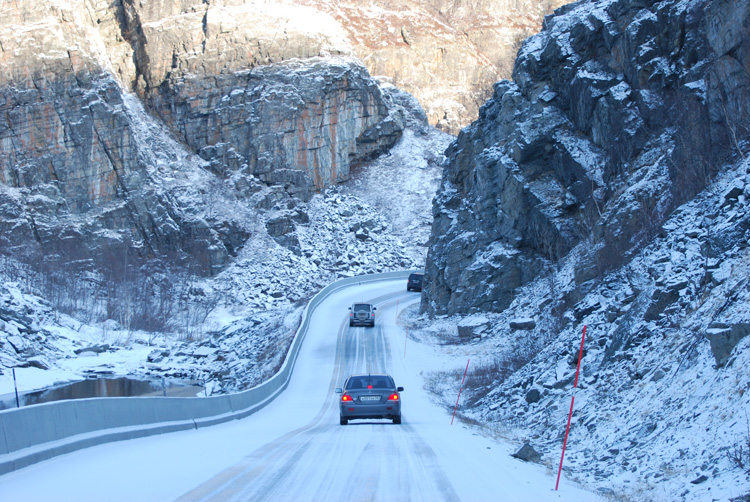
447 54
67 145
204 69
87 177
316 116
619 110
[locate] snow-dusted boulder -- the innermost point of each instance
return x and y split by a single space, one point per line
528 453
472 327
522 323
724 339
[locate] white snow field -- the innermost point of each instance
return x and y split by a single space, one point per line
295 450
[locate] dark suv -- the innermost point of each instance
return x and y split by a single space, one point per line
362 314
415 282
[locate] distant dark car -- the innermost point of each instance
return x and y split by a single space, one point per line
369 396
415 282
362 314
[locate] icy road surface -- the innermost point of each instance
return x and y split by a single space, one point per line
295 450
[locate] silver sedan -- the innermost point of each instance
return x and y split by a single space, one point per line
369 396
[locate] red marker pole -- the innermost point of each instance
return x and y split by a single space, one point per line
570 415
459 390
406 338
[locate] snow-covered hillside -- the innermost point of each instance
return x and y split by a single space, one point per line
231 332
661 407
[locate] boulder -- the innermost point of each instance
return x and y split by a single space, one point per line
12 315
473 327
586 308
38 362
157 355
201 352
724 338
93 349
660 300
533 396
527 453
282 229
18 343
523 323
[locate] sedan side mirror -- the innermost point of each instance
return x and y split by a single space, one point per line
400 389
338 390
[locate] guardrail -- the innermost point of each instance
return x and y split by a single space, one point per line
39 432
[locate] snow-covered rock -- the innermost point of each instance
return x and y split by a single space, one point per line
602 133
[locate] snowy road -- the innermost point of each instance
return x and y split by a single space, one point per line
294 449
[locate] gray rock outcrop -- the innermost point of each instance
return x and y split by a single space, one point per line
528 454
93 177
724 338
618 111
446 53
280 106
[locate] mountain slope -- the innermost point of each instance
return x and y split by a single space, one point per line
617 114
93 179
606 187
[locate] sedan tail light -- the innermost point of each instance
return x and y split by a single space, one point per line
393 397
346 398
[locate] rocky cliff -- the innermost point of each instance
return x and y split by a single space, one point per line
238 94
618 112
446 53
231 94
193 66
605 191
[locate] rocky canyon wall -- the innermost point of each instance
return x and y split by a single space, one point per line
230 94
447 54
618 111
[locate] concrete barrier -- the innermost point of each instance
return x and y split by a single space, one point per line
39 432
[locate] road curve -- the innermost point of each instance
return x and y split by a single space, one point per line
322 460
295 450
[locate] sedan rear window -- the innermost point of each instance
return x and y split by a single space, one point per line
376 381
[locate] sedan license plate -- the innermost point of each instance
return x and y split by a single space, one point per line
369 398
